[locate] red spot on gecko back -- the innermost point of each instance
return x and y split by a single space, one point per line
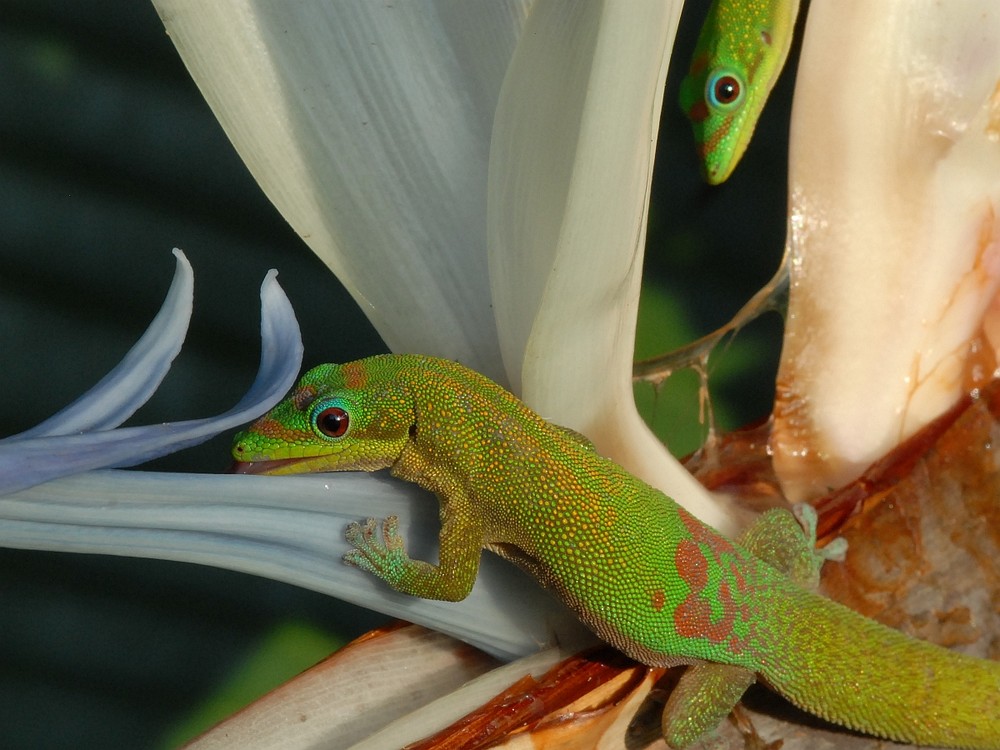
693 617
658 599
692 566
705 534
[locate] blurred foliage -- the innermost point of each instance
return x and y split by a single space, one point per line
676 409
288 650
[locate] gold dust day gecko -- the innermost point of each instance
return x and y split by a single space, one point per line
640 571
740 52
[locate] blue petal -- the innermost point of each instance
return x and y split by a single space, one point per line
29 461
130 384
288 529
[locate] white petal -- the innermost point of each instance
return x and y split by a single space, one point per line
130 384
569 189
286 528
29 461
368 126
450 708
894 240
405 670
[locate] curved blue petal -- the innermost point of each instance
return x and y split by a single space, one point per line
130 384
288 529
30 461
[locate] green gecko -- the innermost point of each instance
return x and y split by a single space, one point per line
645 575
740 52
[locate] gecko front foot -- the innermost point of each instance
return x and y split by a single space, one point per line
385 557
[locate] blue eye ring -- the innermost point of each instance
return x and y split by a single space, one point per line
331 419
724 89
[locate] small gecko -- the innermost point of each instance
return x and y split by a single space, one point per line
740 52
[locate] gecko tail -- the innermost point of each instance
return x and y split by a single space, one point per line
839 665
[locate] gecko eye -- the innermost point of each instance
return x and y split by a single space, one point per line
724 90
333 422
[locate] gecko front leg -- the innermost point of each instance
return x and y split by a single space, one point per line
385 556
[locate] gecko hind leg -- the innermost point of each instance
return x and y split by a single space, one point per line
707 693
787 541
704 696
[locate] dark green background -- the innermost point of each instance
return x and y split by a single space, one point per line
108 159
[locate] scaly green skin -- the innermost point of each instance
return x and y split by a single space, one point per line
638 569
740 53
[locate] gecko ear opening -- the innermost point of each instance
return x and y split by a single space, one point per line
413 431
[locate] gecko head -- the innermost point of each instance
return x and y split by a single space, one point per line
721 106
337 418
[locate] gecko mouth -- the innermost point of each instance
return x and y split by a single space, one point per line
277 466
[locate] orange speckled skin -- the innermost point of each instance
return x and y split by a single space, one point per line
643 573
